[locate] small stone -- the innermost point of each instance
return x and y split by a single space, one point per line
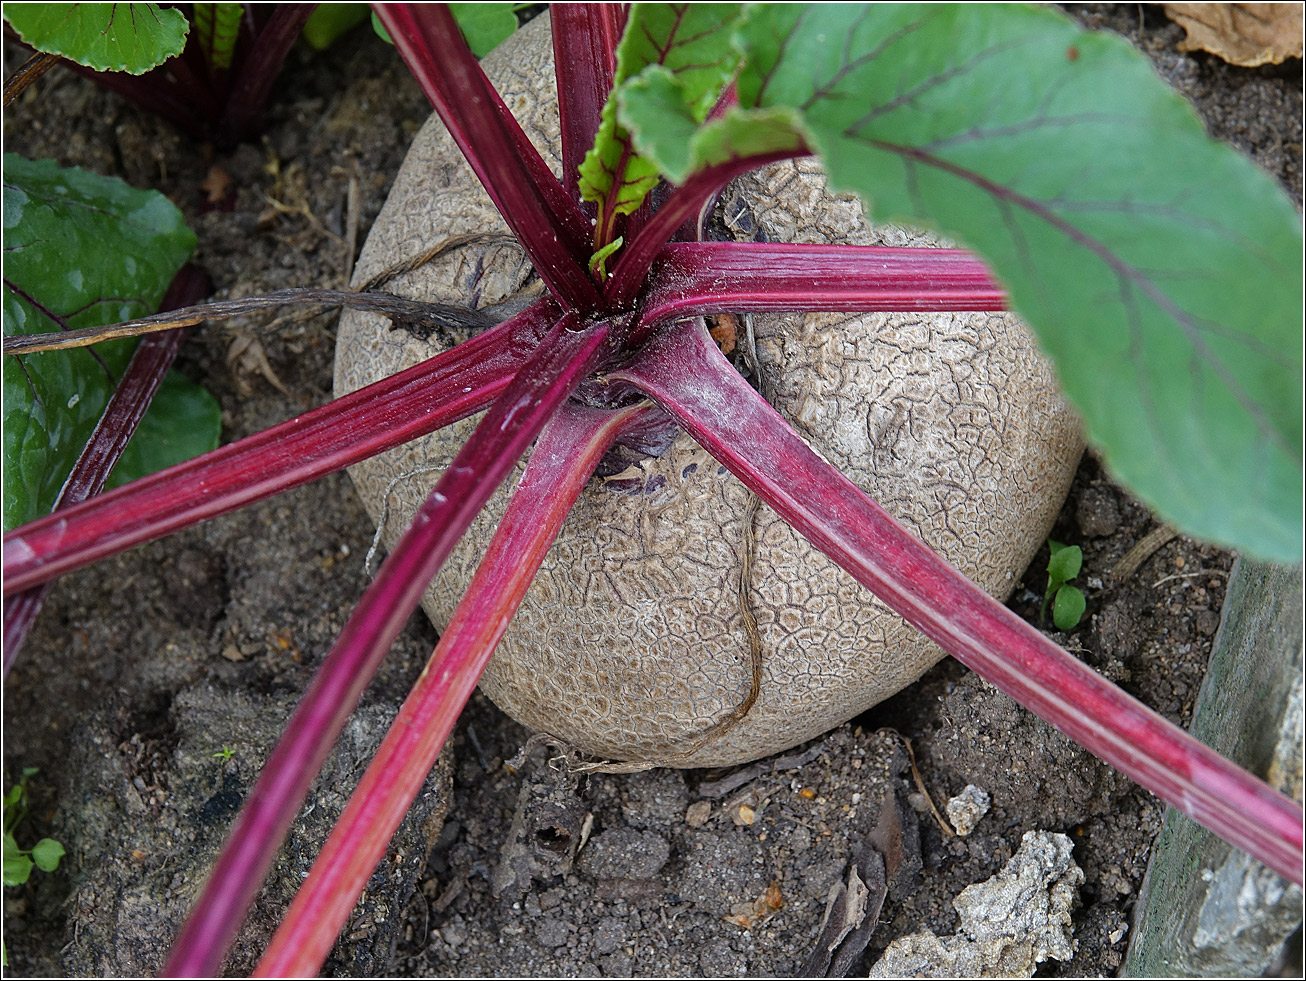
966 809
697 813
743 816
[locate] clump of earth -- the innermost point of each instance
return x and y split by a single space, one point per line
155 683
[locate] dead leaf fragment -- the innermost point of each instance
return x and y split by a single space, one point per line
216 185
1245 34
697 813
743 816
725 331
852 911
748 915
245 356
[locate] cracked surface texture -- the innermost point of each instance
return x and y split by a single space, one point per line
630 641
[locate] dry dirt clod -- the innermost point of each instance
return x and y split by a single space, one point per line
632 641
1009 924
966 809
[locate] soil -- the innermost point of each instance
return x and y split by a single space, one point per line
146 670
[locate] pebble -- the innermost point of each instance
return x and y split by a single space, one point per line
967 808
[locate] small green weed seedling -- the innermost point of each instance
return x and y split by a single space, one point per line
45 854
1067 601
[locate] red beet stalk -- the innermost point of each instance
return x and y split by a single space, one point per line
567 452
698 278
544 217
683 370
117 424
372 420
564 358
585 37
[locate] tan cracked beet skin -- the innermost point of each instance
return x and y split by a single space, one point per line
630 641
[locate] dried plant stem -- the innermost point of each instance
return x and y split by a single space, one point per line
944 827
1143 550
27 73
420 314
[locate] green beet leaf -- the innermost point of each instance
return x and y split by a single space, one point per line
652 107
331 21
84 250
484 25
17 866
217 27
1161 270
112 37
688 51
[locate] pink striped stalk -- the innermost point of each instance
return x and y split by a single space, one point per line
700 278
563 359
567 452
585 37
689 278
545 218
683 370
383 415
116 426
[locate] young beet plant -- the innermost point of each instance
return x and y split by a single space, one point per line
1159 269
227 55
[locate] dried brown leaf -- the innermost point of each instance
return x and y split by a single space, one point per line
724 328
216 185
245 356
748 915
1246 34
